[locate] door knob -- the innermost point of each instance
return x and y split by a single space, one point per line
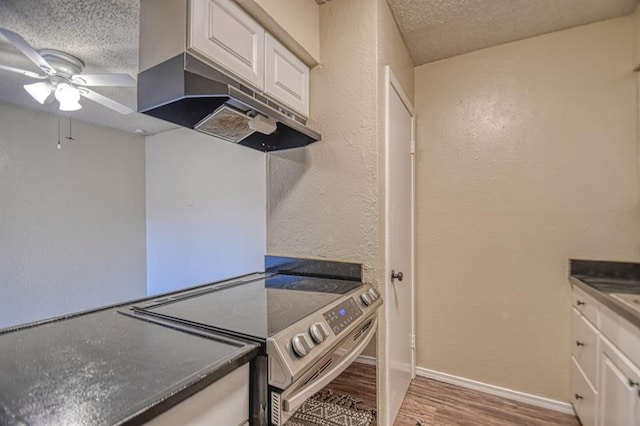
398 275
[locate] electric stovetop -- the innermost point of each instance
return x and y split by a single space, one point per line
257 307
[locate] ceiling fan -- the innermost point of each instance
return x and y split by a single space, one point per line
63 79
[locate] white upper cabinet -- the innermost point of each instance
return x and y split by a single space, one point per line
286 76
224 34
222 31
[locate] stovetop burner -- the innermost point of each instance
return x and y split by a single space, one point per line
256 309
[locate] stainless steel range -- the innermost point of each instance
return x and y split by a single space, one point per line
310 328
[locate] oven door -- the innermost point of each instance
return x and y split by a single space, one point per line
285 403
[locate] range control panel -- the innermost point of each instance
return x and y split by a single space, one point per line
342 315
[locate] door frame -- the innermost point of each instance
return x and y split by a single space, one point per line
392 83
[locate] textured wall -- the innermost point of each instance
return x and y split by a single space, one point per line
72 221
322 200
325 200
526 156
205 210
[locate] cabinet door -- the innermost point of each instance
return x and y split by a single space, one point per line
620 397
219 30
286 76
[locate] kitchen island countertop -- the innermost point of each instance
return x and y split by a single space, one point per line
106 368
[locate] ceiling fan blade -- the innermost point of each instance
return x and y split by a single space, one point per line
24 72
121 80
103 100
28 51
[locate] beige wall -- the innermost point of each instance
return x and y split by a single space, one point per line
636 64
300 18
526 156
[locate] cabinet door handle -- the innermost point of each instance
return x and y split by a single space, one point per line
579 343
578 397
634 384
580 302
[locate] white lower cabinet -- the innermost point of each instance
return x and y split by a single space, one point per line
620 389
605 383
584 396
225 402
585 347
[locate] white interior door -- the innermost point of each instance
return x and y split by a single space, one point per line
399 248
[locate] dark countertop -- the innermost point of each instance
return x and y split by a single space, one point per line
600 278
106 368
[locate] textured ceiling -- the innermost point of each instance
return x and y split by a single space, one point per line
103 34
438 29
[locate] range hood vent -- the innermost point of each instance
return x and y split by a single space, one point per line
190 93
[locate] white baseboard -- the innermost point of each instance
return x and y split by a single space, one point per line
365 359
511 394
538 401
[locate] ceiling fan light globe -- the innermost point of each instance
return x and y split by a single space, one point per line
39 91
70 106
67 94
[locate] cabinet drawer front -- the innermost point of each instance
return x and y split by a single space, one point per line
286 76
583 396
225 402
587 306
220 31
585 346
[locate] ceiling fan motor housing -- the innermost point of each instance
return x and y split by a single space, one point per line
64 64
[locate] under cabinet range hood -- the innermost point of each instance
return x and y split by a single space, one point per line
190 93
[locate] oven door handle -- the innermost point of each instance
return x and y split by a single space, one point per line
293 402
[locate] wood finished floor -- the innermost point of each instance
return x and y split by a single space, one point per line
435 403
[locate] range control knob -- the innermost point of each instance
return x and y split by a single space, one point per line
318 332
367 299
300 344
375 293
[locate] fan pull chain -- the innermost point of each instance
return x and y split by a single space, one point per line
70 137
59 145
